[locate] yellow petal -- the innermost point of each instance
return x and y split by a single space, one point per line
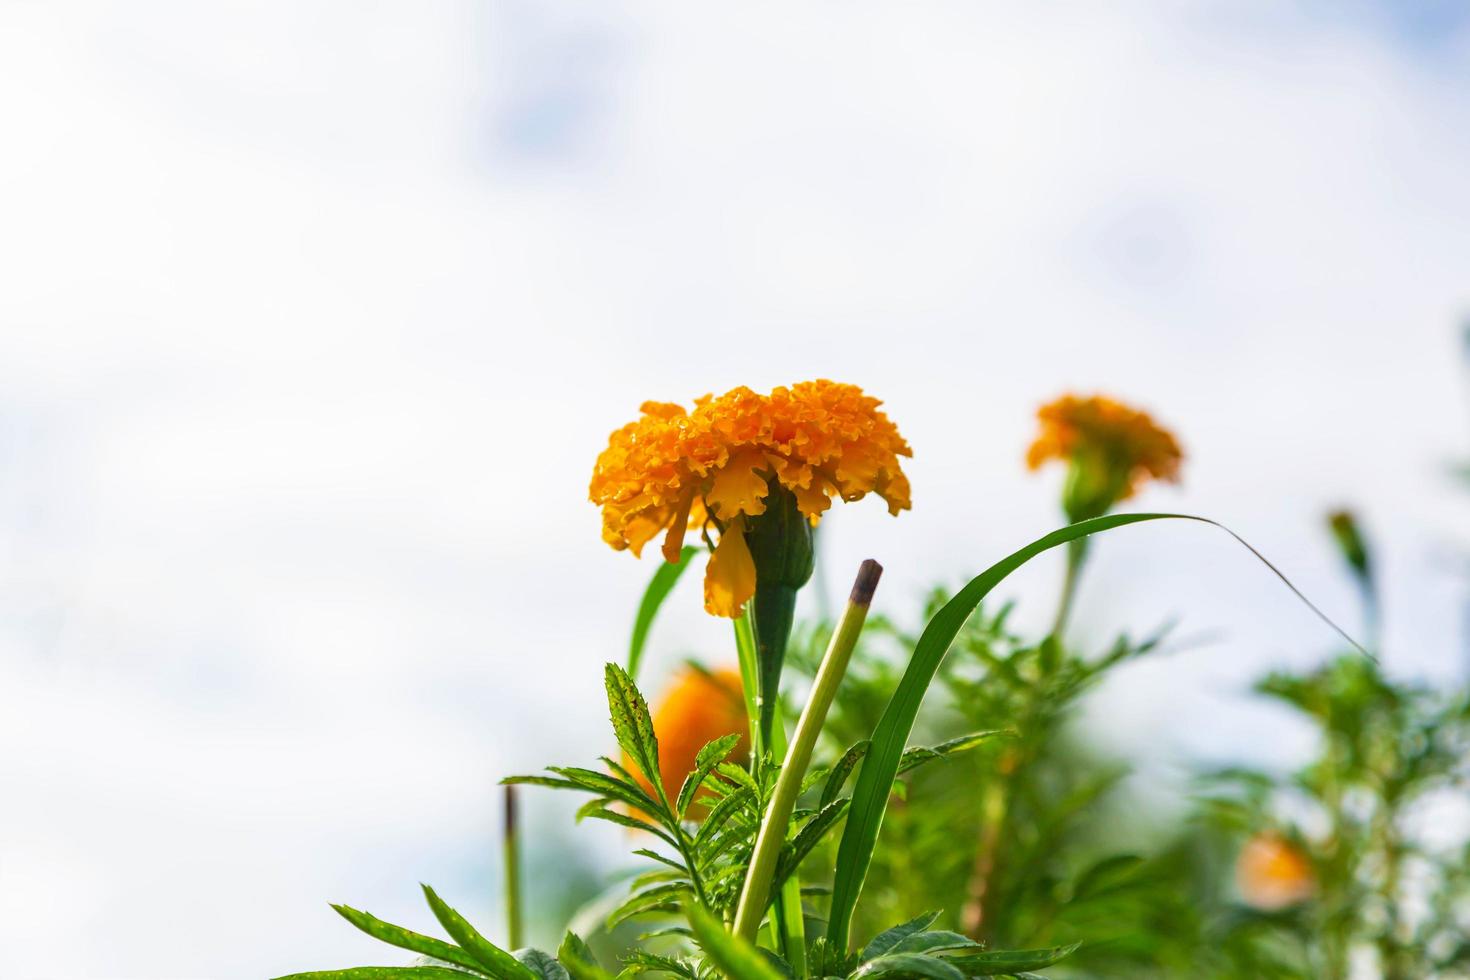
729 580
812 500
674 540
738 488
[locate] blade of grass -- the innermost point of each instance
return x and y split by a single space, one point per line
870 795
659 587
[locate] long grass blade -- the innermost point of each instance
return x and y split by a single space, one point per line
870 796
659 587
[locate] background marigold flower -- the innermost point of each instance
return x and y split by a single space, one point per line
1272 873
1112 450
698 707
714 468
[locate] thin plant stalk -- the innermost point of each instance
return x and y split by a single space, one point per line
511 850
745 649
1076 555
756 892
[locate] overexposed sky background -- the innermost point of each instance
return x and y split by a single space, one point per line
314 316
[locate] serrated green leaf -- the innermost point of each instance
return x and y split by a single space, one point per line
717 817
496 961
660 858
663 582
842 770
939 940
711 755
891 937
632 724
544 965
917 755
579 960
807 838
382 973
642 961
407 939
660 898
738 959
632 823
1001 961
912 965
604 785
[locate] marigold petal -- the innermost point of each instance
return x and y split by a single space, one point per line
729 579
738 487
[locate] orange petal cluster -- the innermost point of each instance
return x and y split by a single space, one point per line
1272 873
674 471
1075 427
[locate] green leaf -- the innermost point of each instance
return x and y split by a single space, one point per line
659 587
891 937
940 940
1106 876
907 965
624 820
807 838
1011 960
842 770
710 756
579 960
604 785
738 959
494 960
875 781
660 898
641 961
916 756
382 973
632 724
542 964
407 939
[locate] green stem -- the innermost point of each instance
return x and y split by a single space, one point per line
745 649
512 858
756 893
774 608
1076 554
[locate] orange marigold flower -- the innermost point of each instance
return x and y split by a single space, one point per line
1113 449
1272 873
699 707
673 471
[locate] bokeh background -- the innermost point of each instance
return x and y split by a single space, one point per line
313 317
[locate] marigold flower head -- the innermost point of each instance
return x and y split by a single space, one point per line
674 471
698 707
1113 449
1273 873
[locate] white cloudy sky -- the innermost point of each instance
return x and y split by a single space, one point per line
315 315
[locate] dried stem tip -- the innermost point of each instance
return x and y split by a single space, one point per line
867 581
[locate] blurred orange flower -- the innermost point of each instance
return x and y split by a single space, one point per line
698 707
1113 450
1273 873
675 471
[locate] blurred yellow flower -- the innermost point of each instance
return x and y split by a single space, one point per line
674 471
1112 449
698 707
1272 873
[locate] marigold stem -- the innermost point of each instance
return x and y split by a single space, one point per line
756 893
